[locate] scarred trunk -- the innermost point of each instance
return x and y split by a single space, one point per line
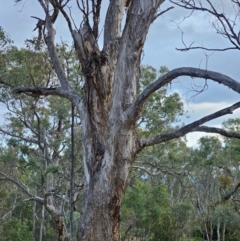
58 218
111 82
100 216
108 153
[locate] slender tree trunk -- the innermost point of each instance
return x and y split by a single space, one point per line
42 223
207 234
34 220
211 229
218 232
224 230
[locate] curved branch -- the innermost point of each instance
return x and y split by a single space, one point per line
71 95
228 196
21 187
194 126
57 6
133 110
216 130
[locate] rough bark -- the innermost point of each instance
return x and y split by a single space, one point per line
109 108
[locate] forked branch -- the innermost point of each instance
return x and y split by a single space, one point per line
194 126
223 24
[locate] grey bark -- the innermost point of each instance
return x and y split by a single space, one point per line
42 223
109 107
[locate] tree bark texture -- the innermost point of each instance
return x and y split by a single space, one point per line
109 136
109 106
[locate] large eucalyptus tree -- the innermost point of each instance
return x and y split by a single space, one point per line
109 104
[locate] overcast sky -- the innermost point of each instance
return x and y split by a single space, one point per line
160 49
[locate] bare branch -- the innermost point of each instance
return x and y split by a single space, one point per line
139 18
141 143
161 13
57 6
112 29
22 188
208 49
223 25
133 111
50 42
73 96
216 130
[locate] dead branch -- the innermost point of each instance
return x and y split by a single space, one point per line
223 24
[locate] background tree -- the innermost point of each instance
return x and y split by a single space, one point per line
109 105
37 134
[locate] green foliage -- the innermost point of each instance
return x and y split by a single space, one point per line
145 211
36 149
51 169
4 38
16 230
161 109
226 214
182 200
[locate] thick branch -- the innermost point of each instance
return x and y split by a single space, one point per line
133 111
139 18
112 27
188 128
39 91
217 131
53 54
96 7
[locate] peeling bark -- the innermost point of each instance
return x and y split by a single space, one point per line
109 107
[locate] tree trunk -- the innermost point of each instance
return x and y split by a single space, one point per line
224 230
218 231
105 185
34 220
42 223
57 217
100 217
